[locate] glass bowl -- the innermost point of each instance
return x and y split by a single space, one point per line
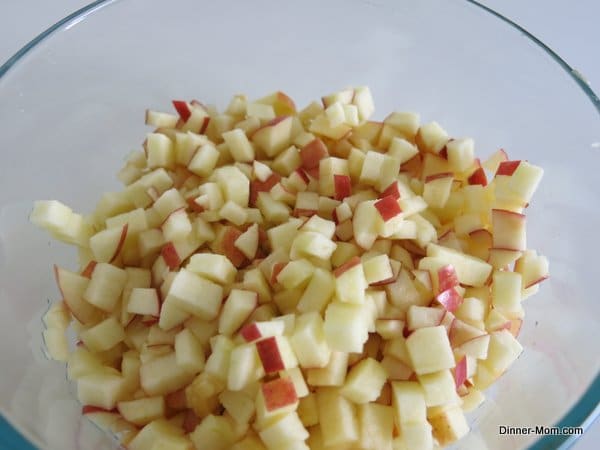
72 105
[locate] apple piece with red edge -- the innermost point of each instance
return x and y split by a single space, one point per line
276 354
279 395
388 207
274 136
106 245
532 267
183 109
343 186
460 372
450 299
261 330
478 177
312 153
447 278
507 168
509 230
72 287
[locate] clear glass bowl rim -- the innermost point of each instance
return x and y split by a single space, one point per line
587 408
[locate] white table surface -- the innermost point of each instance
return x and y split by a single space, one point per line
569 28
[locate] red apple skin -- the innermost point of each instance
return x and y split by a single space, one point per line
302 174
269 355
478 177
507 167
447 278
507 212
460 372
226 247
169 253
437 176
388 208
279 393
89 409
121 242
190 421
391 191
257 186
449 299
354 261
277 267
312 153
250 332
89 269
176 400
539 280
182 109
343 186
195 207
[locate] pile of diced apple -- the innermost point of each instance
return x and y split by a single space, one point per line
280 279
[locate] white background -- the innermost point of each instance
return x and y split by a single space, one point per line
569 28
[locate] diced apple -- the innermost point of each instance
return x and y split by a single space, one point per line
142 411
449 426
376 426
346 326
508 230
217 268
364 381
339 423
196 295
439 388
236 310
429 350
308 341
274 136
276 354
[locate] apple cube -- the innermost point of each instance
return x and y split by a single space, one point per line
107 244
143 301
350 282
196 295
236 309
460 154
509 230
366 223
439 388
429 350
105 287
278 396
408 399
284 431
376 426
238 404
189 353
214 432
339 422
364 381
274 136
449 425
161 435
104 335
259 330
72 287
297 378
532 267
213 267
234 184
247 242
431 137
503 350
377 269
309 342
239 146
244 367
346 326
162 375
333 374
423 316
218 363
469 270
276 354
101 389
295 273
402 150
142 411
506 291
